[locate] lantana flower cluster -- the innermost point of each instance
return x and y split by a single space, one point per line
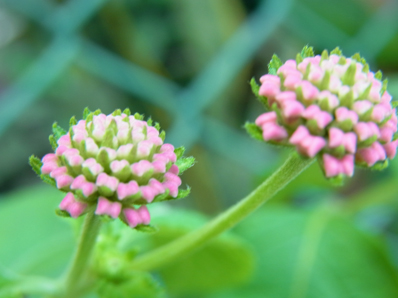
330 107
115 163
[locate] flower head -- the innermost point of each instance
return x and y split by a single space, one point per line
330 107
114 164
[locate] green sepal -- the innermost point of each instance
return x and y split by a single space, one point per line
299 58
179 152
367 142
72 121
365 68
274 64
157 126
379 75
347 100
345 125
149 121
307 52
380 165
394 137
384 87
105 191
36 164
89 118
365 117
336 51
255 89
254 131
62 213
312 126
97 112
337 180
184 163
324 85
138 116
86 112
338 152
357 57
342 60
103 159
58 131
324 55
365 93
349 76
117 112
124 174
162 135
146 228
106 218
127 112
107 140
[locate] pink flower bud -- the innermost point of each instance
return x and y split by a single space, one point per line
391 149
125 190
141 167
72 206
105 207
132 216
370 155
272 131
110 182
144 215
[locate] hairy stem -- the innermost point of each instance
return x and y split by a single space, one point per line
88 236
292 167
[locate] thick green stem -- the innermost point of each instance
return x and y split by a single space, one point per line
88 236
293 166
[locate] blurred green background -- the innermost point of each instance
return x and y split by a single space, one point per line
187 64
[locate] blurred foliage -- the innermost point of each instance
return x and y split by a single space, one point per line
187 64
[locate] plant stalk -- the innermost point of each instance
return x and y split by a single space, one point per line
78 268
292 167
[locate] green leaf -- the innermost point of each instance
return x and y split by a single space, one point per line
184 163
274 64
47 179
53 142
34 240
135 284
179 152
255 88
254 131
225 261
36 164
182 193
313 254
307 52
58 131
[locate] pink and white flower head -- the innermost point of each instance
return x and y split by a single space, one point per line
329 107
113 165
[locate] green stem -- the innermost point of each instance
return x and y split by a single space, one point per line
88 236
293 166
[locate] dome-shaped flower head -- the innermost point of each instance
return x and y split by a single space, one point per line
113 165
329 107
